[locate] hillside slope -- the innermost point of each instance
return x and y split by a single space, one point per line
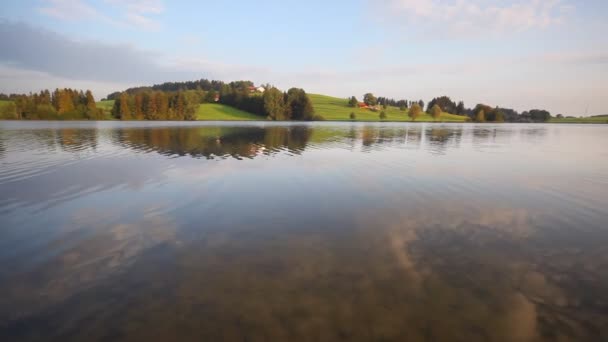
220 112
337 109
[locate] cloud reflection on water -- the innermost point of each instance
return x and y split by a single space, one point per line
279 232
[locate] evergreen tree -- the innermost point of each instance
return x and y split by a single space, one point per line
125 111
90 101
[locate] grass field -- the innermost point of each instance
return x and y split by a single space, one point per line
107 108
592 120
219 112
337 109
4 104
7 112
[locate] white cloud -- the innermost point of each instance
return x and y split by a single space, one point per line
69 10
137 13
140 6
562 82
455 18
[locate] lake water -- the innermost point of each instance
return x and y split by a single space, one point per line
315 232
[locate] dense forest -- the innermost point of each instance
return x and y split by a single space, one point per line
66 104
156 105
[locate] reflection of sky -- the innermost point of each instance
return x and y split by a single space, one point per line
420 202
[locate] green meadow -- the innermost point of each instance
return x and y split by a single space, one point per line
220 112
337 109
331 108
590 120
106 106
4 104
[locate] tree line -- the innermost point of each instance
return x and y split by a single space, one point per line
155 105
480 113
200 85
272 104
61 104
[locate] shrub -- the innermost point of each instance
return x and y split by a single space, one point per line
353 116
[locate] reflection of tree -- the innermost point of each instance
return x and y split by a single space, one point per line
2 148
440 138
413 136
210 142
77 139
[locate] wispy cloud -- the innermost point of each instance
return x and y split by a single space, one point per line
523 82
138 12
457 18
69 10
133 13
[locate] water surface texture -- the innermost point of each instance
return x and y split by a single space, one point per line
313 232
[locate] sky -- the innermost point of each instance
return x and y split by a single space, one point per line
547 54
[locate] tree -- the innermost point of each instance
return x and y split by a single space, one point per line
65 103
382 115
436 112
499 116
353 102
402 108
538 115
369 99
90 102
151 109
124 110
481 116
180 106
274 104
353 116
299 105
460 108
415 111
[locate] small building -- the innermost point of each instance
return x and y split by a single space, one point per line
254 89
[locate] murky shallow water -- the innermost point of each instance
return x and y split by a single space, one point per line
320 232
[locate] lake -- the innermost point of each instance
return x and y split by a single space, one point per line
138 231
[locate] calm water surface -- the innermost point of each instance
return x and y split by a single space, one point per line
321 232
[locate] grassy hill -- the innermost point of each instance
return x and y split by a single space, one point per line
220 112
596 120
337 109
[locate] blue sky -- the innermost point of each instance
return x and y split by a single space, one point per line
521 54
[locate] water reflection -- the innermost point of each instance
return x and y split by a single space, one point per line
303 232
210 143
